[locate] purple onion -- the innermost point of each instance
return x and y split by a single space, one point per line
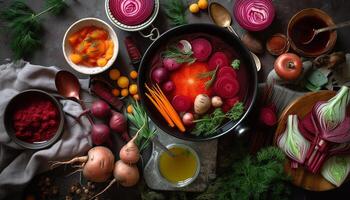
254 15
131 12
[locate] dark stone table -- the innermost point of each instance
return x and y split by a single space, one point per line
55 27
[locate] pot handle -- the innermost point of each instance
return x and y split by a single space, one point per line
241 129
152 35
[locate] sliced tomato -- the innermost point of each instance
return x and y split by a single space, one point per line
187 82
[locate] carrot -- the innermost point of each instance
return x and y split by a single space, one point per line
172 112
163 112
73 39
160 103
168 107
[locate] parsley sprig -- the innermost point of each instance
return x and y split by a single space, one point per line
208 124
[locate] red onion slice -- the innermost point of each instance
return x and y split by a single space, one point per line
131 12
254 15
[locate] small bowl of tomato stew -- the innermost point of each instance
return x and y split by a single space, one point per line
34 119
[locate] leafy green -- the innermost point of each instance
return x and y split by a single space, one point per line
56 6
236 63
212 74
259 177
179 56
24 27
139 119
176 12
208 124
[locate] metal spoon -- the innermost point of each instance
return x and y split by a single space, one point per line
221 17
68 85
328 28
160 145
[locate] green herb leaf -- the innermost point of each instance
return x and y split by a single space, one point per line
211 74
179 56
260 177
56 6
176 12
236 63
139 119
208 124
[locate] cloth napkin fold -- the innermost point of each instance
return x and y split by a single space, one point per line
17 165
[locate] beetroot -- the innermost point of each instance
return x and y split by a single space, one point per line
218 59
226 88
201 49
159 75
168 86
229 103
170 64
268 116
227 71
181 103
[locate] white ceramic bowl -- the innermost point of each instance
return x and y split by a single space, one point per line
76 27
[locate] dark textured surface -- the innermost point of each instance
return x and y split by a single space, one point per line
55 27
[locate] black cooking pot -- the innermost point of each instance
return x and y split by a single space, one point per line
247 76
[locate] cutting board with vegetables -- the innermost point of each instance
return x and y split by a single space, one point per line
300 107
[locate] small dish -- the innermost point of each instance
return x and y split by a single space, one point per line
13 104
76 27
187 181
302 24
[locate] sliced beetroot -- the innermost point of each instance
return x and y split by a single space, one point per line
226 87
227 71
201 49
182 103
218 59
229 103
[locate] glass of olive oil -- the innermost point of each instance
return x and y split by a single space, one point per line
181 169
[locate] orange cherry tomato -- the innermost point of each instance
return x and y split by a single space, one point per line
288 66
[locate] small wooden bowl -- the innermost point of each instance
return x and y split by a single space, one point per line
301 107
312 12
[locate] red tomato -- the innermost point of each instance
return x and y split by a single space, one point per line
288 66
187 82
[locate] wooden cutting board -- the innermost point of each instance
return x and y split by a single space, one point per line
300 107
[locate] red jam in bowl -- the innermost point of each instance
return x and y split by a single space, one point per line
131 12
35 120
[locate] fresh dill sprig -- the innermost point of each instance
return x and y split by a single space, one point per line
24 27
57 6
176 12
252 178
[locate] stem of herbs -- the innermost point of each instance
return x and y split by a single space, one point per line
45 11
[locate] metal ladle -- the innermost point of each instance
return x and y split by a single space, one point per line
221 17
328 28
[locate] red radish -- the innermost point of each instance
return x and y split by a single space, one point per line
97 166
118 124
159 75
181 103
268 116
227 71
201 49
218 59
168 86
126 175
229 103
99 109
102 91
129 153
226 87
170 64
187 119
100 134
